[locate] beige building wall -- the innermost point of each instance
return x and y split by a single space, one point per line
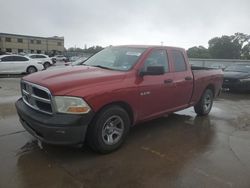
31 44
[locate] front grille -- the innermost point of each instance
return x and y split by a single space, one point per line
37 97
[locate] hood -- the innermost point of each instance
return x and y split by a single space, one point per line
64 80
237 75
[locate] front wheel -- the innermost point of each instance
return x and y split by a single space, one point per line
109 129
203 107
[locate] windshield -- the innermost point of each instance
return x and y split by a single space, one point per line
238 68
116 58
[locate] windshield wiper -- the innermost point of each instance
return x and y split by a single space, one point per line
234 71
100 66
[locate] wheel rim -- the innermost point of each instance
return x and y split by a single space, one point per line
31 70
46 65
207 102
112 130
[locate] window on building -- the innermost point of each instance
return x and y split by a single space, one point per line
38 41
31 41
59 43
38 51
179 61
7 39
8 50
20 50
32 51
157 58
20 40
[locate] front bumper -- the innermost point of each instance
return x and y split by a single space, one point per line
58 129
239 86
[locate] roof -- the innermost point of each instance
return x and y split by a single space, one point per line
150 46
10 55
29 36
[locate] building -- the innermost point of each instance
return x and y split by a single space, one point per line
13 43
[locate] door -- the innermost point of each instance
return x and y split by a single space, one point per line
155 90
19 64
183 79
5 64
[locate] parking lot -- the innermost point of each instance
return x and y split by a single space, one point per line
181 150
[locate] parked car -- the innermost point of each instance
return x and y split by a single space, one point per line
78 62
16 64
218 66
74 58
47 61
113 90
58 58
237 77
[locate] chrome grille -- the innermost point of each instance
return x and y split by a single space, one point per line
37 97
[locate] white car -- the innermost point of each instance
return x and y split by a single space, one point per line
59 58
16 64
47 61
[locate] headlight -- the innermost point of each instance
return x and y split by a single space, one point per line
71 105
245 80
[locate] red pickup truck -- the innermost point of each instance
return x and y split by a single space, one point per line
117 88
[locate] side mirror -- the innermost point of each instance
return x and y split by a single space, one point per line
152 70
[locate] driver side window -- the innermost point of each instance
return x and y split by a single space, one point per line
157 58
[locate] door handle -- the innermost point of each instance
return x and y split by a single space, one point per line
188 78
168 81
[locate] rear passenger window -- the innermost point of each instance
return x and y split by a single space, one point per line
157 58
179 62
33 56
19 58
40 56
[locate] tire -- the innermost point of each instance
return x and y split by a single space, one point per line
31 69
46 65
203 107
108 130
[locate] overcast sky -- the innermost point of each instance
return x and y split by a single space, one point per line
183 23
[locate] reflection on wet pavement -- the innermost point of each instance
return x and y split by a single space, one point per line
181 150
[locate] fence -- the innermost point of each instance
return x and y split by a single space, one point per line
215 63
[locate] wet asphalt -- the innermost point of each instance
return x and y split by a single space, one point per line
181 150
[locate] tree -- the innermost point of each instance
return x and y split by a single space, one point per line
236 46
244 41
245 52
198 52
225 47
93 49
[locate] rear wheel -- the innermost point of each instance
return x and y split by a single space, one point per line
203 107
109 129
31 69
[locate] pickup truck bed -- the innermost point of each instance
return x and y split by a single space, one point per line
203 76
113 90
